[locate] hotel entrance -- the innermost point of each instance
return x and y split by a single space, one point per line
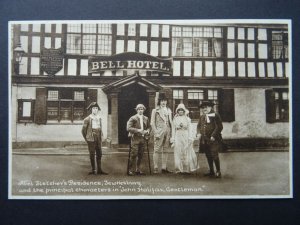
124 95
129 97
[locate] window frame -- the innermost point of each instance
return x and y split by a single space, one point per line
280 101
279 45
60 101
185 99
203 38
101 43
25 119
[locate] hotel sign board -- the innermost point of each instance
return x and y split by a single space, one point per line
51 60
129 61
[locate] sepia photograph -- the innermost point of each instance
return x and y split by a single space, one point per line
150 109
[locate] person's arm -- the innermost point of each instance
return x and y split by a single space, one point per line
152 122
101 129
171 121
84 128
172 140
130 126
190 132
218 126
198 128
148 128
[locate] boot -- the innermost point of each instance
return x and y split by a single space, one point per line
100 171
211 167
217 163
92 159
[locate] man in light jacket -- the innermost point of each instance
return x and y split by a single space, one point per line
92 133
161 124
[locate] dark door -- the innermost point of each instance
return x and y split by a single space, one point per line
129 97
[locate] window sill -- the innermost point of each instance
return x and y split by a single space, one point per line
79 122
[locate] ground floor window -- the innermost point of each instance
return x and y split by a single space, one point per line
65 105
277 105
193 98
25 110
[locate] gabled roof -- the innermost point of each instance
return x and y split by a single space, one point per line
128 80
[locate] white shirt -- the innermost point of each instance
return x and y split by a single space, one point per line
95 121
165 113
141 121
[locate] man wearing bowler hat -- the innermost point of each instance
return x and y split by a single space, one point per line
161 124
209 128
92 133
138 128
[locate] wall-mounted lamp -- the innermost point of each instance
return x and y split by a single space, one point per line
18 54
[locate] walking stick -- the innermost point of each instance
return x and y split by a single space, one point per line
96 164
148 156
128 161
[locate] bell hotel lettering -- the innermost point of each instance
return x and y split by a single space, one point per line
129 64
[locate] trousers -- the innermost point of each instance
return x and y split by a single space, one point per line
211 150
95 151
162 144
137 152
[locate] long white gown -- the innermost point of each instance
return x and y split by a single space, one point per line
184 154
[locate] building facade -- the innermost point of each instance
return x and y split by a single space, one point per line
243 68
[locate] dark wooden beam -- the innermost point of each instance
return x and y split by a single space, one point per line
192 82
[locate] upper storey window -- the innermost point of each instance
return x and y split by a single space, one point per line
197 41
89 39
279 45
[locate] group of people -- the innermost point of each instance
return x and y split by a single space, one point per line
169 133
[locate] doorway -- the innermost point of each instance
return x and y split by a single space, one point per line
129 97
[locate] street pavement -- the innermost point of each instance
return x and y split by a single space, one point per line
53 173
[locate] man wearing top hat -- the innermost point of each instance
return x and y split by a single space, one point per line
138 128
161 124
209 128
92 133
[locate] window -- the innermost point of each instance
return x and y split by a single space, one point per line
282 105
131 29
65 105
177 98
213 96
89 39
279 45
193 98
25 110
277 105
197 41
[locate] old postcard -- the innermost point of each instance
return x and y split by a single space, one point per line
153 109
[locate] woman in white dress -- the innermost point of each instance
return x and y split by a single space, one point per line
182 139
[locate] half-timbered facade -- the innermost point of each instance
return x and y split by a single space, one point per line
243 68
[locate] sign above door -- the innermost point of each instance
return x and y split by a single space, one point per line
129 61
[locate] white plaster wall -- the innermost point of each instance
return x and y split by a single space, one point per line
18 93
250 117
58 132
26 93
13 113
26 132
103 103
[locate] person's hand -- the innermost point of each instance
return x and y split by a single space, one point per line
140 131
198 136
145 132
172 140
212 138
